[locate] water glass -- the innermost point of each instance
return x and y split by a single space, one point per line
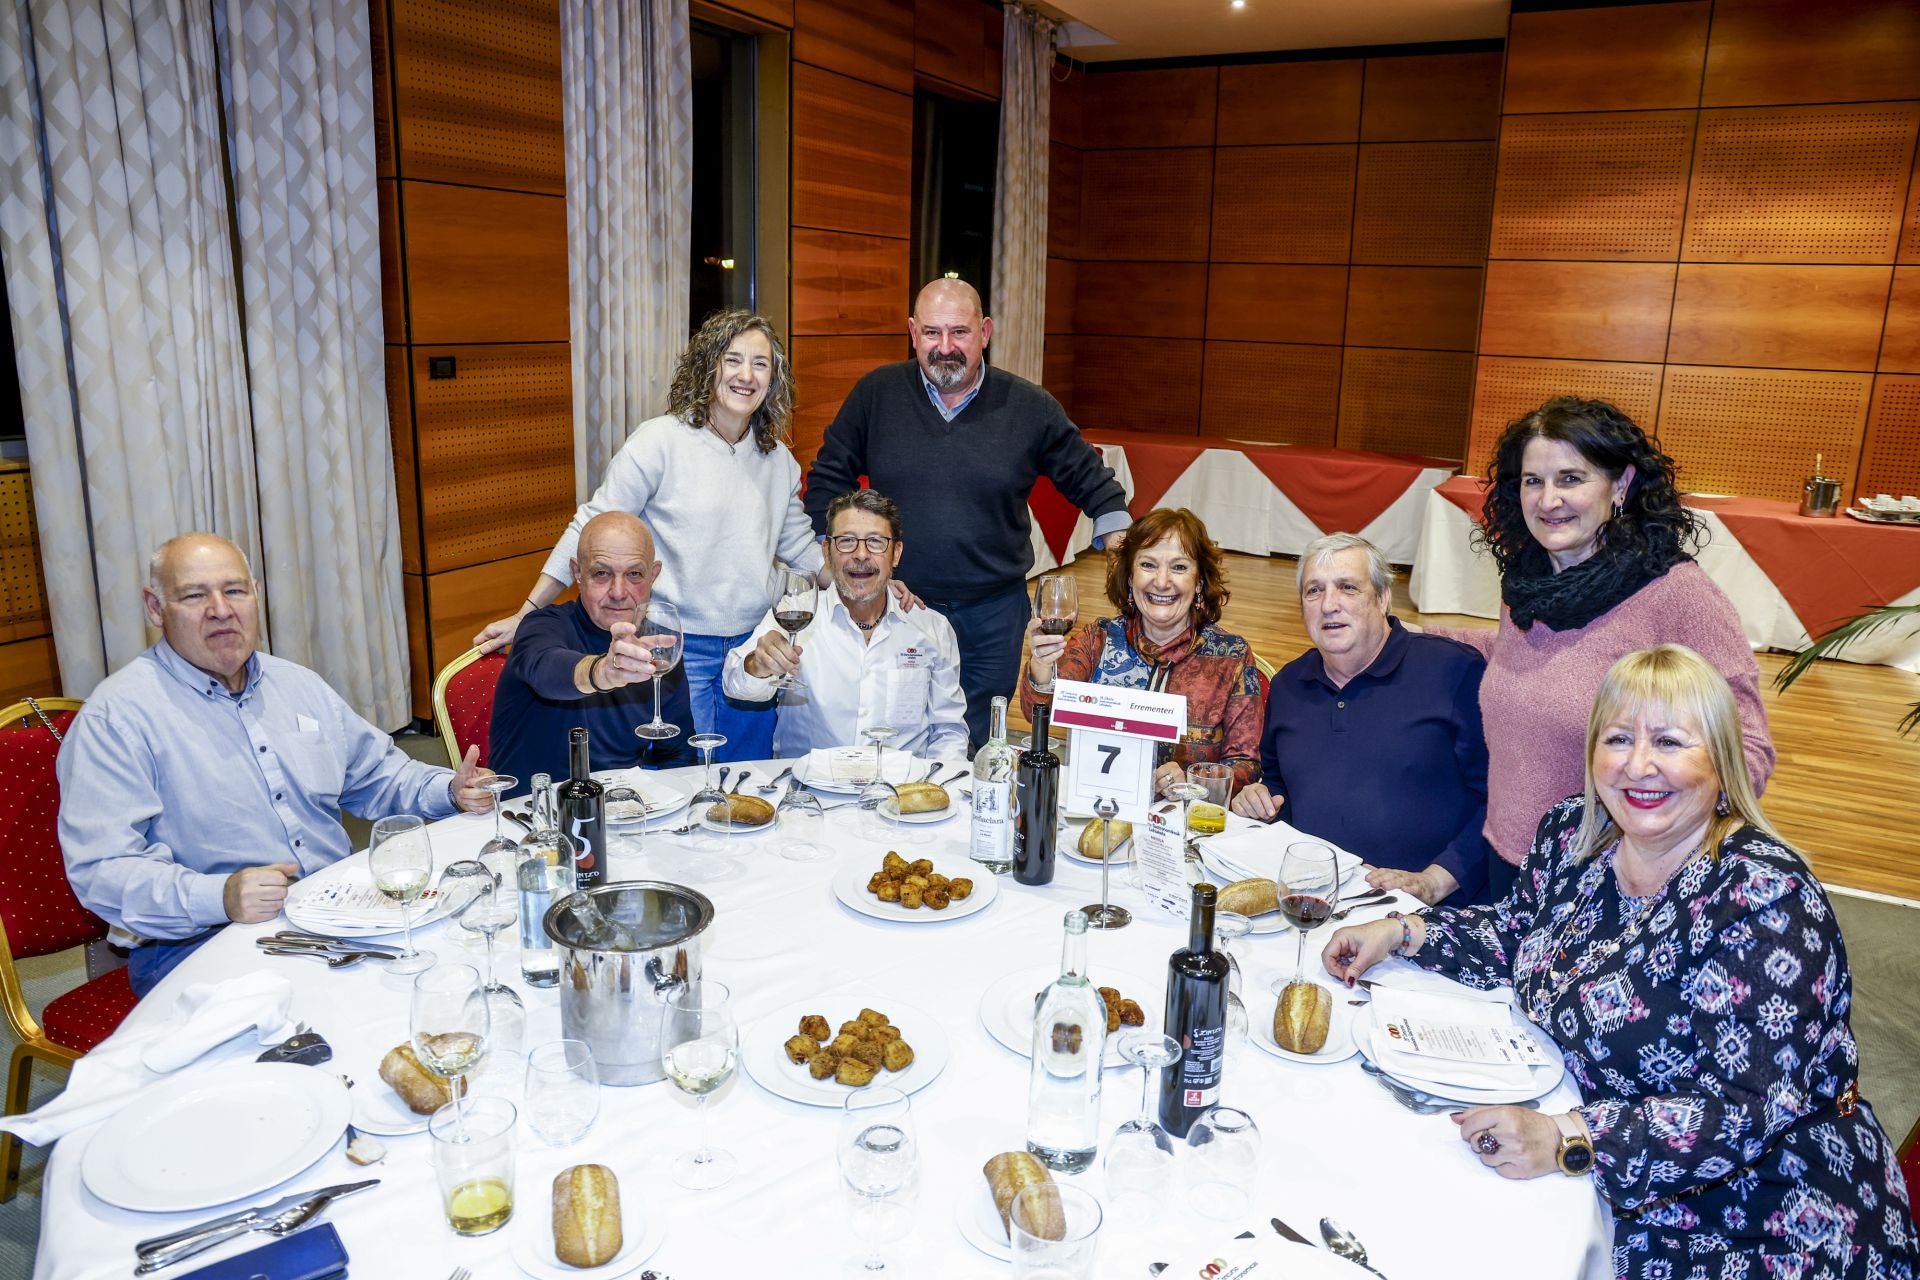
473 1160
562 1091
1030 1223
1223 1157
879 1160
803 826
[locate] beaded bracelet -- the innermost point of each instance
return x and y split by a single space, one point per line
1406 934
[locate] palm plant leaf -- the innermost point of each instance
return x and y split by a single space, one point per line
1830 644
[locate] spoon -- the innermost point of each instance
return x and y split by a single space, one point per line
1343 1244
774 786
740 781
725 769
343 961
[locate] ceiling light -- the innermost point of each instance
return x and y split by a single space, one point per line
1238 4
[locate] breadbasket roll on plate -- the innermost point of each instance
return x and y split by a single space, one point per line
745 811
921 797
1250 897
586 1215
1010 1173
1091 841
1303 1017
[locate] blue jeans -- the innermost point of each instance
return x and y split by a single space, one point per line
748 725
149 963
990 634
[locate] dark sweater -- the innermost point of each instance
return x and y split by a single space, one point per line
536 705
963 485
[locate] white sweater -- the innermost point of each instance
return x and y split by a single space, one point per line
720 517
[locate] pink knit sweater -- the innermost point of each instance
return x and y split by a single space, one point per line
1540 683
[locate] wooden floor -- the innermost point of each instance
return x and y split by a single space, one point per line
1846 789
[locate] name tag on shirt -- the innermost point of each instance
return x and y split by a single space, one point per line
308 724
913 658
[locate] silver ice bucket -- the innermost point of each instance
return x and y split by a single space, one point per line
612 999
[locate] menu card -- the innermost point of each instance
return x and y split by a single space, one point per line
1160 845
1454 1030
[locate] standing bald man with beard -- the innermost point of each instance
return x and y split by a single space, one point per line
959 446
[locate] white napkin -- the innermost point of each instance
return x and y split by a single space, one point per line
1391 1004
206 1016
1255 853
848 765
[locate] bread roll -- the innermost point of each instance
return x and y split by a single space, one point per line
922 797
1011 1171
747 811
423 1091
1250 897
1090 838
586 1215
1300 1019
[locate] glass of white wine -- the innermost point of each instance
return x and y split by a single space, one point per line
400 857
699 1045
450 1022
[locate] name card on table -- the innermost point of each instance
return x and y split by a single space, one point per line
1112 733
1160 845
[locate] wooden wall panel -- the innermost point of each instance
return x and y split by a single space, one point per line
1172 108
1145 204
420 672
870 40
824 370
1066 109
384 146
1137 384
1778 316
29 668
406 471
1287 102
1282 204
1768 51
1271 393
1633 58
393 295
1259 303
959 41
778 12
495 451
1900 345
461 601
1784 417
1432 307
1057 370
478 92
1505 389
852 154
1065 170
1405 401
1910 238
1890 459
1577 310
1424 203
485 266
1801 184
1599 185
1432 97
1063 276
23 595
849 284
1142 299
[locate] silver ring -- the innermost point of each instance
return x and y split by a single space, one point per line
1487 1143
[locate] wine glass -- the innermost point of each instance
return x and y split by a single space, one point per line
698 1047
1140 1157
400 856
879 1159
497 908
661 628
878 790
1104 915
1223 1160
706 744
1228 927
803 825
449 1022
1186 792
797 598
1309 888
499 784
1056 601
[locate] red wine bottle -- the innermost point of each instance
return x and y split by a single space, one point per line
1197 1018
1036 802
583 815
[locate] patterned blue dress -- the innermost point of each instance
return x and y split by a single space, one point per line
1707 1027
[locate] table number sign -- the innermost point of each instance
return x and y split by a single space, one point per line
1111 735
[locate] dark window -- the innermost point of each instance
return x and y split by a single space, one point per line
13 419
956 146
722 266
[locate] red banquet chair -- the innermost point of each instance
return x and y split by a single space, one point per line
463 702
39 914
1910 1167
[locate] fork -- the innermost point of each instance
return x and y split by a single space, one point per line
461 1273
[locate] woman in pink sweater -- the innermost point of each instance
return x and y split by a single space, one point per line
1586 526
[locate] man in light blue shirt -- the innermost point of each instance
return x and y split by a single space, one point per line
203 777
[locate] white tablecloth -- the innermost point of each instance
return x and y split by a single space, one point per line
1335 1144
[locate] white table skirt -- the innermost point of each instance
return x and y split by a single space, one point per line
1335 1144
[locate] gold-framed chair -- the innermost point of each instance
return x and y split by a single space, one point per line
463 702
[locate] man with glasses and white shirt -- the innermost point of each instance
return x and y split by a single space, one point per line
862 661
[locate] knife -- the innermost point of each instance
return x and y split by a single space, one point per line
294 938
213 1232
1289 1233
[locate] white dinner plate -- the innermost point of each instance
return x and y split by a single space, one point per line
642 1232
1340 1043
376 1107
735 829
979 1221
662 799
916 768
763 1052
1541 1079
216 1136
312 902
1070 845
850 886
1007 1007
890 808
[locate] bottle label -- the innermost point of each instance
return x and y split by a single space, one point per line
992 821
1203 1049
585 858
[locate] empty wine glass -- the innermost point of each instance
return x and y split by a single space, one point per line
661 631
879 1159
499 784
699 1045
1223 1160
1140 1156
497 908
877 790
803 826
1056 602
1309 889
706 744
797 597
400 857
449 1022
1229 927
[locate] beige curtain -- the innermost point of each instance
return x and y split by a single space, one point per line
1020 201
626 77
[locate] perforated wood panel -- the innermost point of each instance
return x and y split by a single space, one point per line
1910 238
1282 204
382 59
405 473
485 266
1577 310
495 451
1064 168
23 596
1801 184
1778 315
1170 108
824 370
849 284
1062 287
1431 97
1279 102
479 93
1271 392
1639 57
1056 370
1432 307
1610 185
1146 204
1406 401
1754 432
1423 203
393 298
1890 460
1143 300
1136 384
1242 298
1900 345
1505 389
852 154
1796 51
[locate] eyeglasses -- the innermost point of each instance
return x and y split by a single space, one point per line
848 543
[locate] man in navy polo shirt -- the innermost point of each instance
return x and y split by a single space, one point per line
1373 737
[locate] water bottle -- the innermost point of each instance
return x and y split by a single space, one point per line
1069 1040
544 874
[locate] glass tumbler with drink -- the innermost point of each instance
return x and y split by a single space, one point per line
1208 816
400 856
473 1162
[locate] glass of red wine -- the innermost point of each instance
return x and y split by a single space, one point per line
796 599
1056 601
1309 887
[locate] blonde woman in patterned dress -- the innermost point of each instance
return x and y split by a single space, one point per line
1689 966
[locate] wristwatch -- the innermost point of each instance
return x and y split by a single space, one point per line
1575 1155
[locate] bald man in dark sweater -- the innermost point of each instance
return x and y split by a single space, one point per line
959 446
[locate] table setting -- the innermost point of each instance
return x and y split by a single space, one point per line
789 939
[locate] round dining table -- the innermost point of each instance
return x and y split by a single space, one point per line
1334 1143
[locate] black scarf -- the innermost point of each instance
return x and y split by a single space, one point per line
1570 599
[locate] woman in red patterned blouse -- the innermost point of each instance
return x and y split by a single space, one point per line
1170 585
